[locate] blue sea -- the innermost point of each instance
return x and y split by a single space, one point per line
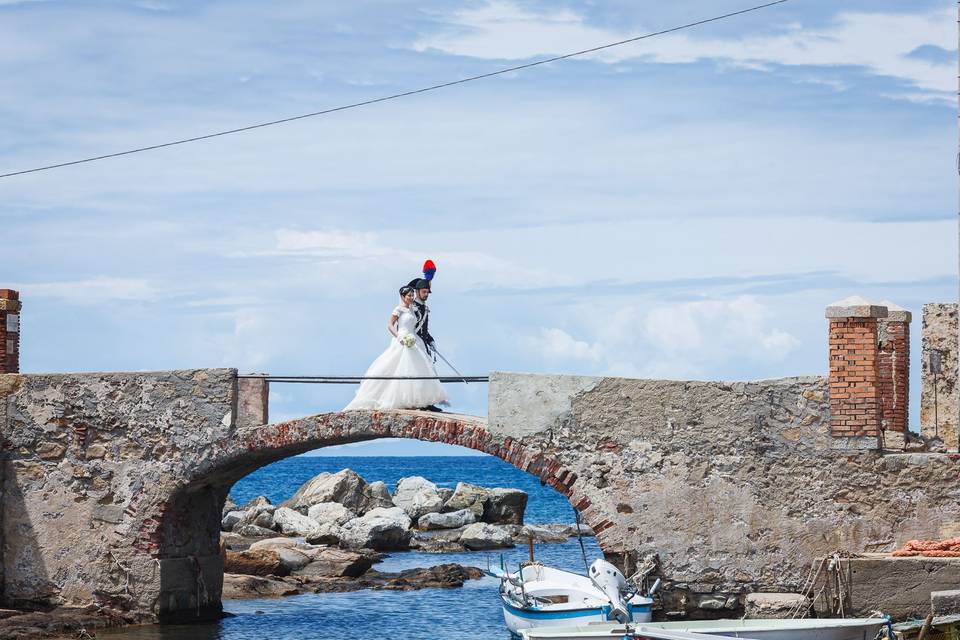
469 613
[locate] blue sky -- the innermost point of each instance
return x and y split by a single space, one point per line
682 207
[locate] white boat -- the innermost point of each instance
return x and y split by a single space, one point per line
755 629
538 596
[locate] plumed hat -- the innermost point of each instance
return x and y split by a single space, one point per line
429 269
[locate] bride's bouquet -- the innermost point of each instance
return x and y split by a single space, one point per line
408 340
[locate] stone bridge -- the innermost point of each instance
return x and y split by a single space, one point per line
114 483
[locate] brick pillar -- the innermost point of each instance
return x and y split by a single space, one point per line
9 331
894 344
855 405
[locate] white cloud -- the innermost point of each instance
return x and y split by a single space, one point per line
92 291
557 345
878 42
689 340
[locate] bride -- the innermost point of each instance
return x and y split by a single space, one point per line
405 357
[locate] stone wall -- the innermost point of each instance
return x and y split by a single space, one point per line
89 461
939 406
733 487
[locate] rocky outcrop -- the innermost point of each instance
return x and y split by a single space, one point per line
345 487
505 506
293 523
330 512
237 587
417 496
339 563
467 496
452 520
256 562
480 536
380 529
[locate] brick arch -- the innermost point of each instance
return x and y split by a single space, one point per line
184 524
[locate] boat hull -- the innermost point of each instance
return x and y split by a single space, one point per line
517 618
804 629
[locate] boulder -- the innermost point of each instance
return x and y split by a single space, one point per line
436 545
231 519
505 506
245 586
259 562
259 501
345 487
445 493
274 543
231 540
417 496
293 523
467 496
375 495
339 563
327 533
228 506
253 531
480 536
330 512
542 535
452 520
444 576
292 559
380 529
258 514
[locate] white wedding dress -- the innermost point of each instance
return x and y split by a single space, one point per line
400 360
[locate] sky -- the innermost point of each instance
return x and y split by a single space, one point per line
681 207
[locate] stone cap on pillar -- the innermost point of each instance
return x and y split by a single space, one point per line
896 313
855 307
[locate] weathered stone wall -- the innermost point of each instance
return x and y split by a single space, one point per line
114 483
90 461
735 487
939 406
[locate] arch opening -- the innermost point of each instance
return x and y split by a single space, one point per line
187 535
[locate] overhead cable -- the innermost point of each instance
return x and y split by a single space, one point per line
395 96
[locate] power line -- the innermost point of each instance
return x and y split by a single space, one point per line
395 96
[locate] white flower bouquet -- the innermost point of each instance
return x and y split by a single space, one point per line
408 341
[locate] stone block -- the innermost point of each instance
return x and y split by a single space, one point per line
776 605
855 307
946 603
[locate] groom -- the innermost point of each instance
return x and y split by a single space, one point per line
422 312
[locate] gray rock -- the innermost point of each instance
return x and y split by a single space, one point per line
417 496
375 495
380 529
330 512
452 520
293 523
480 535
339 563
237 587
228 506
345 487
274 543
230 519
467 496
542 535
505 506
253 531
292 559
326 533
259 501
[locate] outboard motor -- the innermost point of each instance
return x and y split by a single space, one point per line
608 579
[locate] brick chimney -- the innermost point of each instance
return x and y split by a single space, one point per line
855 399
9 331
893 334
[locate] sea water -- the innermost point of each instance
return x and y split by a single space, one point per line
471 612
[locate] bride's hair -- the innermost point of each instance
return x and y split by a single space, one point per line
405 290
